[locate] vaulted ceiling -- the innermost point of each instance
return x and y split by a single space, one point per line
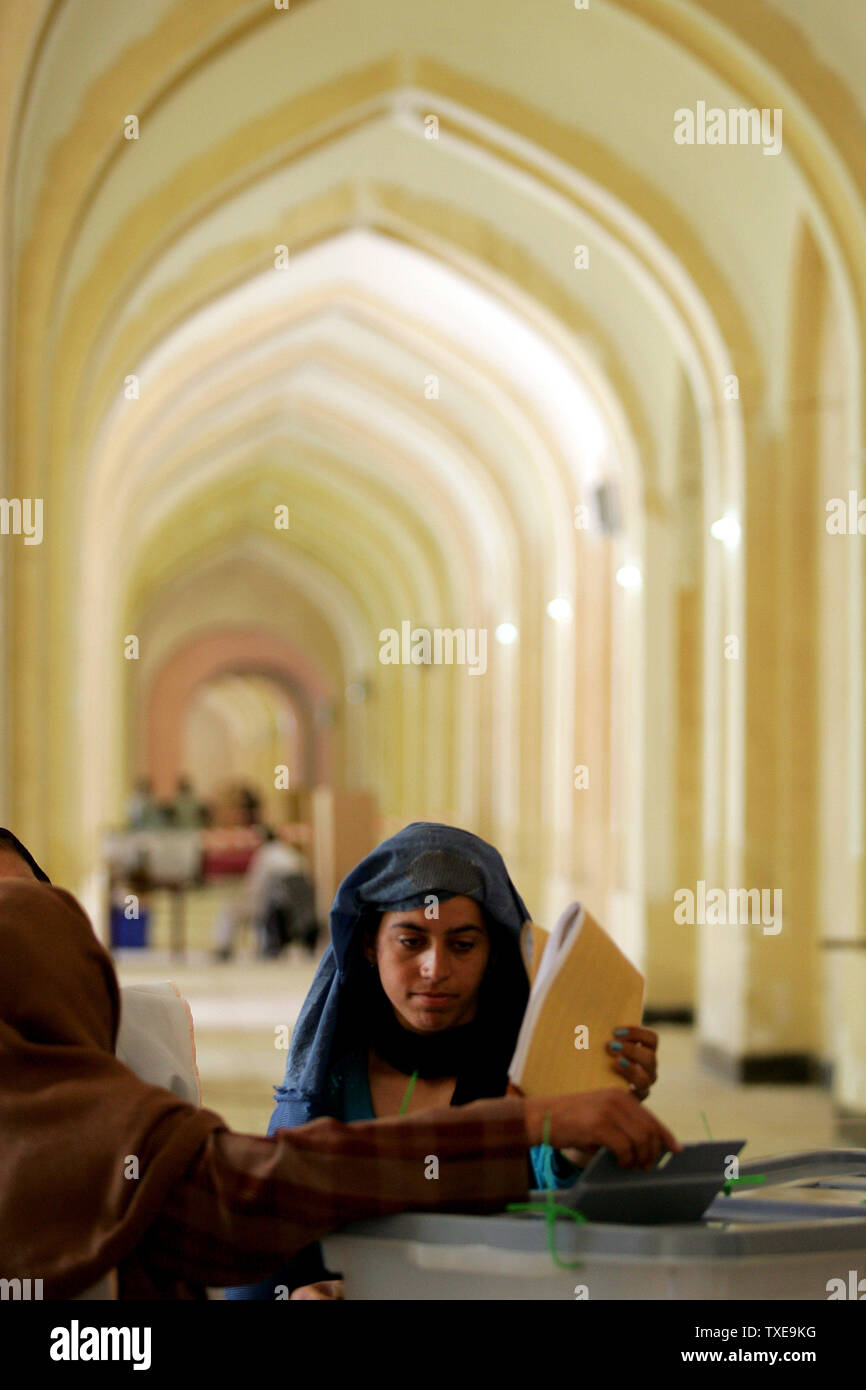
427 275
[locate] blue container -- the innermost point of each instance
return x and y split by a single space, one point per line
129 932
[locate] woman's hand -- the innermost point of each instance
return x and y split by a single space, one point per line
600 1119
637 1048
328 1288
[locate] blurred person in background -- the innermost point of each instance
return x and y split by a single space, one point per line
250 806
189 812
142 810
276 898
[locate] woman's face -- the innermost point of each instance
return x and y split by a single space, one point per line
431 969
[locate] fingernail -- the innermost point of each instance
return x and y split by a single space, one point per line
623 1062
615 1047
620 1032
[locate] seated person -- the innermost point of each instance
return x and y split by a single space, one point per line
189 813
402 992
101 1172
277 878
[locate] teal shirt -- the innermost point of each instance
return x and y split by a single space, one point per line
350 1090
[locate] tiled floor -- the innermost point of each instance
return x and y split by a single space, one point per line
237 1008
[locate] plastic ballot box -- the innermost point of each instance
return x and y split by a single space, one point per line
792 1226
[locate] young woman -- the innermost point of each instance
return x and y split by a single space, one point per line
423 979
103 1174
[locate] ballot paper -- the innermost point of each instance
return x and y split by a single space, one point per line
582 988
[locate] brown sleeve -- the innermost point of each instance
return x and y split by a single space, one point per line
248 1204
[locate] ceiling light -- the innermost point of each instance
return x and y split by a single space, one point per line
559 609
629 577
727 530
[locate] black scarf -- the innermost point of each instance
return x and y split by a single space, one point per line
428 1054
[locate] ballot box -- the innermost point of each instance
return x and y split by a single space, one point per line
798 1233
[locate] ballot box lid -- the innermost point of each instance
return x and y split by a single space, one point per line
764 1231
800 1203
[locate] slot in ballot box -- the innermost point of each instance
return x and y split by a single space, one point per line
786 1237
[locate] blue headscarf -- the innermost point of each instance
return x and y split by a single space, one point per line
398 876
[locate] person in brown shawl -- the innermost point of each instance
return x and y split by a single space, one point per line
102 1173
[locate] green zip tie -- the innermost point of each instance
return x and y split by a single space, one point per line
408 1096
550 1210
732 1182
750 1177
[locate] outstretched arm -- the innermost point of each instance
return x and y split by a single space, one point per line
249 1203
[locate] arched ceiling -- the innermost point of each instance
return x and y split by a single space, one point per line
121 242
409 258
297 414
254 714
215 654
249 586
144 246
